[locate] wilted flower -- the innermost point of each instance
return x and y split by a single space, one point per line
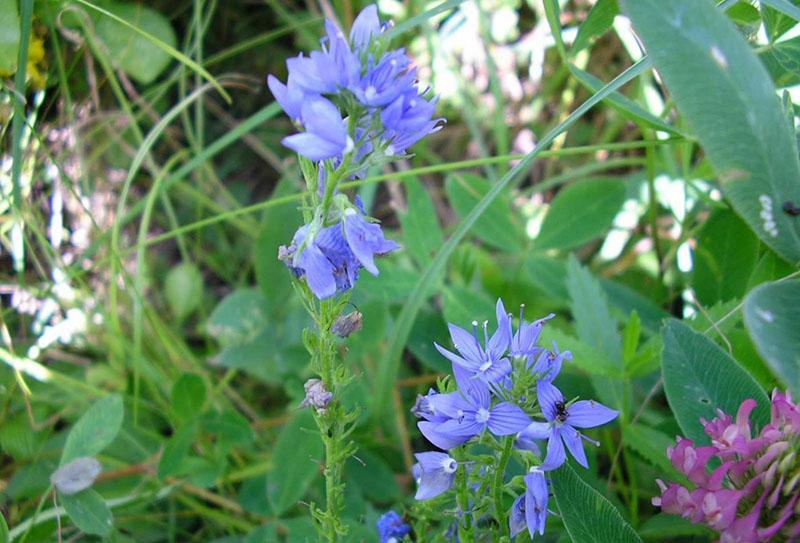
317 396
753 494
348 324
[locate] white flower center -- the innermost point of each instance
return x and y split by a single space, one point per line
482 415
370 92
485 366
449 465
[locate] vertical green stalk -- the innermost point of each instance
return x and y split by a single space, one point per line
465 528
497 484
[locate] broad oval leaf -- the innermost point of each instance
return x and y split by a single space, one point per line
95 430
188 396
89 511
772 317
700 378
728 98
580 213
9 37
183 289
295 462
587 515
137 56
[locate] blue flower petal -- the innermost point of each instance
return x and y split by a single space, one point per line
312 146
507 418
589 413
572 438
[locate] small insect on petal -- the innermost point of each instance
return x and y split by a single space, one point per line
77 475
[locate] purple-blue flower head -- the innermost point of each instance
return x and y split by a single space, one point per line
385 80
435 473
524 342
326 132
489 364
391 527
366 239
469 412
365 25
562 421
530 509
326 261
548 363
408 119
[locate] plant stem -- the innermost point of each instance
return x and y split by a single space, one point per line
328 423
462 498
497 484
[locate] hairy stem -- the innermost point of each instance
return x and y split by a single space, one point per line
497 484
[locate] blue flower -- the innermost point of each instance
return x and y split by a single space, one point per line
524 342
562 421
530 509
434 473
408 119
327 71
326 133
469 412
385 80
365 239
391 527
548 363
366 25
290 96
326 260
489 364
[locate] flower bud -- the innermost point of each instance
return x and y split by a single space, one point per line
348 324
317 395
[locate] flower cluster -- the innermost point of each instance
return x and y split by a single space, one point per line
495 397
754 493
391 527
358 105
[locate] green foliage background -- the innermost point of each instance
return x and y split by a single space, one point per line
631 166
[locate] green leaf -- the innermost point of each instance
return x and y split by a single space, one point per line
584 356
599 20
726 95
772 317
700 378
673 528
89 511
9 37
277 228
295 462
782 60
189 396
779 16
3 529
596 327
651 445
464 305
743 13
137 56
229 428
587 515
579 213
240 316
95 430
421 231
724 258
183 289
176 450
373 476
495 227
